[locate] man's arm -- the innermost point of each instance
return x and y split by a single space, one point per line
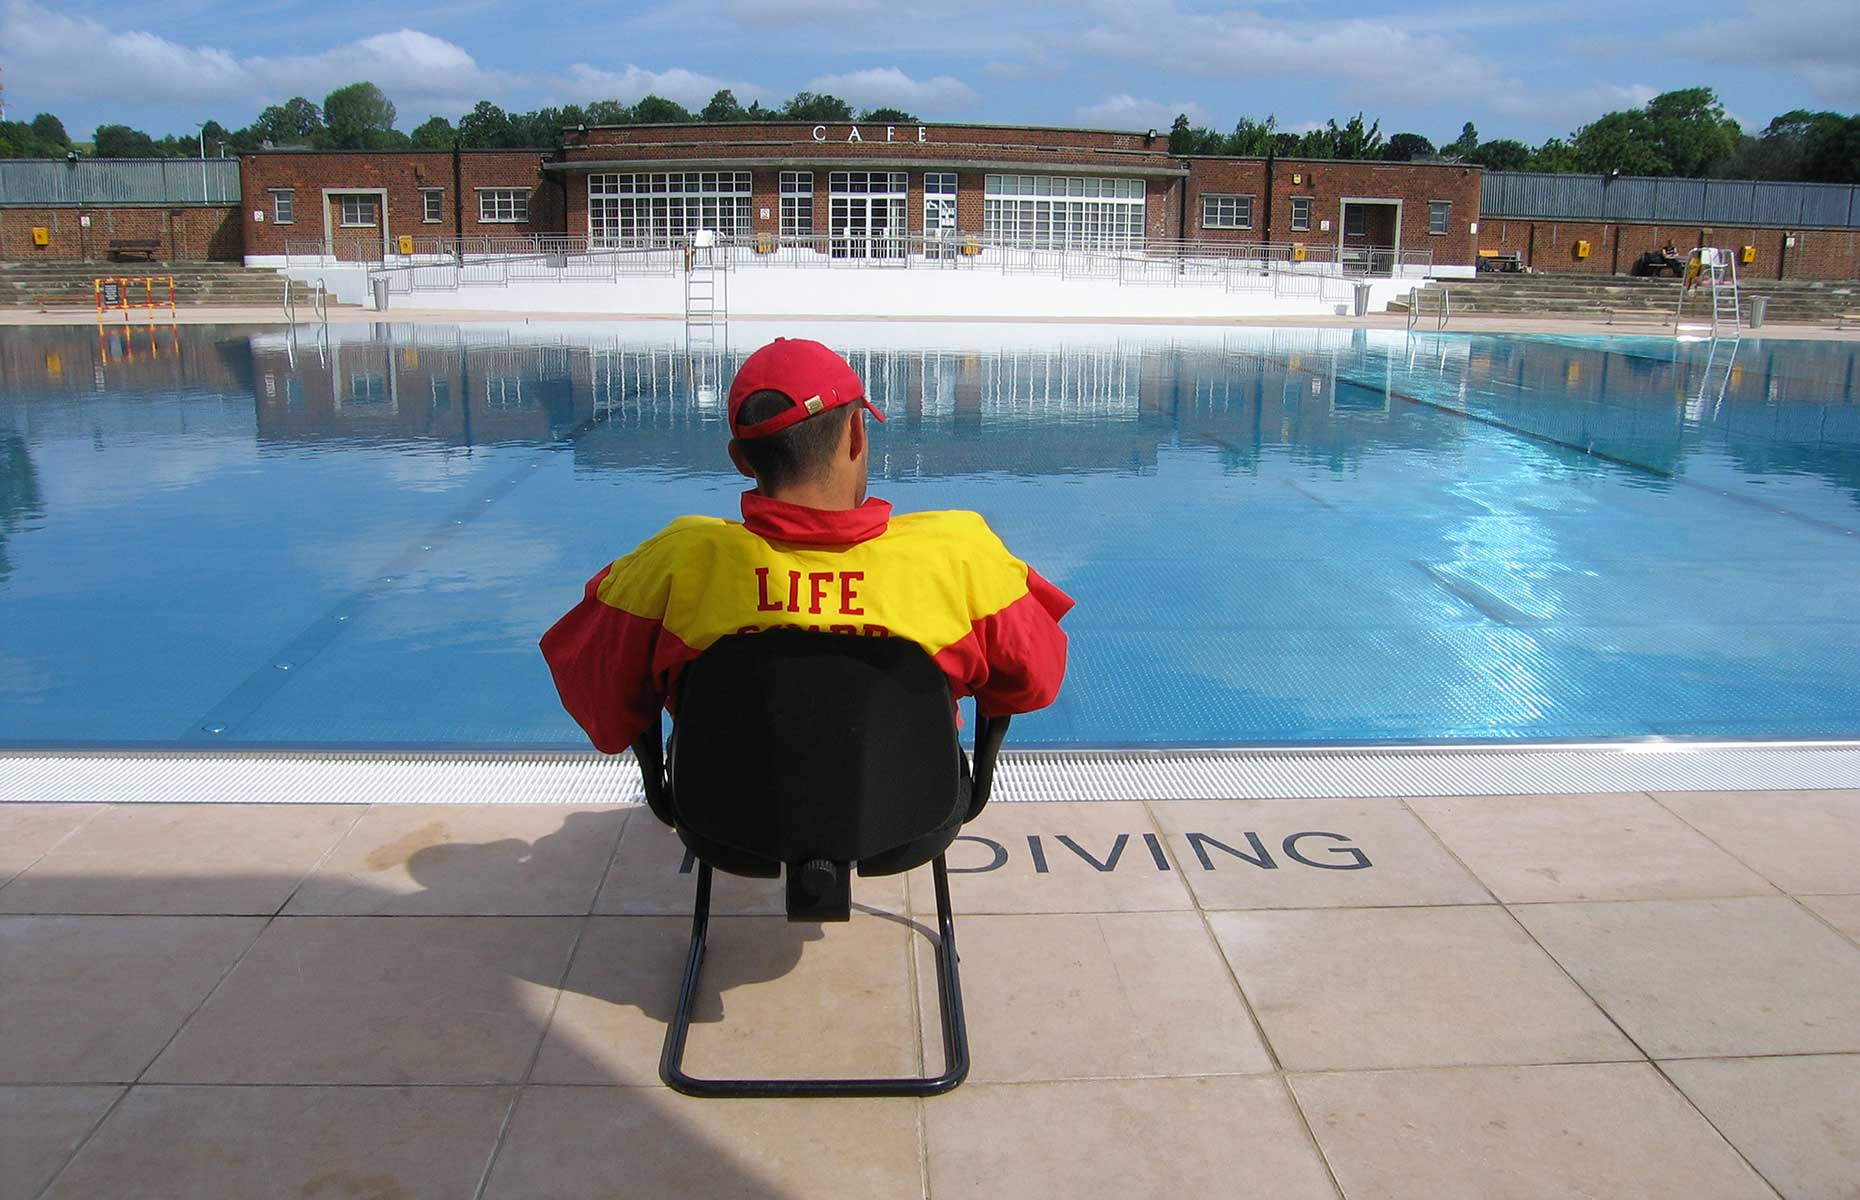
603 658
1025 651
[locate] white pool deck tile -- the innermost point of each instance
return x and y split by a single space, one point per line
1632 995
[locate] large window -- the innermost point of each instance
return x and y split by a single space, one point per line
357 210
1226 212
797 203
865 214
432 205
1060 212
1355 221
666 207
283 206
503 206
1301 214
1439 212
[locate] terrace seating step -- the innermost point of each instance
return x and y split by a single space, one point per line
61 285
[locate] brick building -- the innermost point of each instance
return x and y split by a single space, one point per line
860 188
357 205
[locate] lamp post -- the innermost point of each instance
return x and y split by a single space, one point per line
202 125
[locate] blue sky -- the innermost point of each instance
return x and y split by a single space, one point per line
1526 70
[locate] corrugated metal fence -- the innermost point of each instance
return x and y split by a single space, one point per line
119 181
1676 201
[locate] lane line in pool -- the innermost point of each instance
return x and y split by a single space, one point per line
1551 440
1477 598
222 721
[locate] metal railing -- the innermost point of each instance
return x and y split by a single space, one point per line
1443 305
1281 269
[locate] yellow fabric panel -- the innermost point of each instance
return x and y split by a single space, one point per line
928 577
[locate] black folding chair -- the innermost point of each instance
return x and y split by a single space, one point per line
816 753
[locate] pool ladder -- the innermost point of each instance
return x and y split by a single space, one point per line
319 301
1443 307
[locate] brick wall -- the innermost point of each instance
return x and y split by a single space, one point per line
796 140
403 173
193 234
1327 183
1615 246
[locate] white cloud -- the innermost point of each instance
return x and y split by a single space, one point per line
689 88
1573 109
1377 60
889 87
44 48
415 69
1819 40
1124 111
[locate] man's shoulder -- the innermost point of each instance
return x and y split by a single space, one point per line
682 534
956 525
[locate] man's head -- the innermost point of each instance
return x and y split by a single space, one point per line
799 432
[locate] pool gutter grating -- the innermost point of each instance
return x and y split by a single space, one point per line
562 777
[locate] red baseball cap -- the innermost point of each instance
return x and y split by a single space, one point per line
814 379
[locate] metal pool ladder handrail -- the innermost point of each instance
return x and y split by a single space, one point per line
1417 294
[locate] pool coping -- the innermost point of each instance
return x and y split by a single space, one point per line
361 776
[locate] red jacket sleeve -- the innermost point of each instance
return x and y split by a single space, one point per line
1025 651
604 660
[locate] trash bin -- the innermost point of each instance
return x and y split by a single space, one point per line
380 285
1758 306
1361 307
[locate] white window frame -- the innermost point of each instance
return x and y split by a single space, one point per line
1440 212
283 206
664 208
1301 224
1226 210
432 205
797 203
367 387
503 205
365 202
1064 212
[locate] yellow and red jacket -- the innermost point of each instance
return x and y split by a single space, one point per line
942 579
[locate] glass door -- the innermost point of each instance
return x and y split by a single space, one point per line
865 214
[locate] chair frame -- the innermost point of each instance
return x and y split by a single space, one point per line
989 734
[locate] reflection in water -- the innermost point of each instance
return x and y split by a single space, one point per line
21 501
1274 535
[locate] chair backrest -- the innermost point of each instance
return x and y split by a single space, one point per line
791 746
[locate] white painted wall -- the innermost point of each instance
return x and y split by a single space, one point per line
892 293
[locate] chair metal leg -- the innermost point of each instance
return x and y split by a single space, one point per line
949 993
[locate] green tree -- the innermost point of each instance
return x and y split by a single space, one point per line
1465 144
120 141
806 106
1252 139
1683 132
1554 155
1195 139
1501 154
609 112
887 116
657 110
1831 149
434 133
294 122
486 127
723 107
358 116
51 132
1406 147
1617 141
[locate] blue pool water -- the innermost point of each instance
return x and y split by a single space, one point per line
219 536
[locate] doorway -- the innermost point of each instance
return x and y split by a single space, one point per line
1371 232
865 214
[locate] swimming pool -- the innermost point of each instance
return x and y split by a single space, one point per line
229 536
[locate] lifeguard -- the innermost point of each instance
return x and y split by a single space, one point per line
811 552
